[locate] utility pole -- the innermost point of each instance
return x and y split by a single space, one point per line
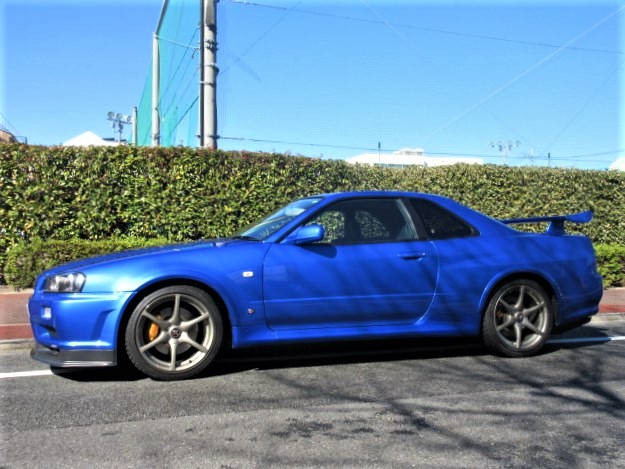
208 75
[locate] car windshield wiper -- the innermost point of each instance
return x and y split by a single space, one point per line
245 238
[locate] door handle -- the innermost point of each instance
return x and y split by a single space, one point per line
411 255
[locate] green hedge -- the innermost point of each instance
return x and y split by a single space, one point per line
611 261
180 194
27 260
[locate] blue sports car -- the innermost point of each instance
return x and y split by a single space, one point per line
360 265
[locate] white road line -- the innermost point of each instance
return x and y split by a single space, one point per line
572 340
25 374
578 340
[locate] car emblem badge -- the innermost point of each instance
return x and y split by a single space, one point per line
175 333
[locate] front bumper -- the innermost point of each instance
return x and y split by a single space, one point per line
54 356
76 330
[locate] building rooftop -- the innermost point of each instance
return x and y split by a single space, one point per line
409 157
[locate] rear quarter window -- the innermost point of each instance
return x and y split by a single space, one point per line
440 223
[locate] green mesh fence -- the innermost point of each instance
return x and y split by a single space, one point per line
144 116
178 37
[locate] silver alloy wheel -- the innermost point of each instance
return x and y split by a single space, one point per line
518 319
521 317
184 336
174 333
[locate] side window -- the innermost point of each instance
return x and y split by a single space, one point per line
370 227
333 222
439 223
364 221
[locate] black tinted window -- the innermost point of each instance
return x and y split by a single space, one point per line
440 223
365 220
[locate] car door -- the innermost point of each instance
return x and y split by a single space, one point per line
369 270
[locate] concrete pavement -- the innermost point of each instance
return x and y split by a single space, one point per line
14 324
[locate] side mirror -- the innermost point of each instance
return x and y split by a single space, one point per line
306 234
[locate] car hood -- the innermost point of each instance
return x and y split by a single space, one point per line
155 251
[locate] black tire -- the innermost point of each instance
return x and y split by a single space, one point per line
181 319
518 319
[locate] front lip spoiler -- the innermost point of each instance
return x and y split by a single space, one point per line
73 358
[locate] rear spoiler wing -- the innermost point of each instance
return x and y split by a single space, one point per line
556 223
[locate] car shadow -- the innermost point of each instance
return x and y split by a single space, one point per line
336 353
297 356
344 353
105 374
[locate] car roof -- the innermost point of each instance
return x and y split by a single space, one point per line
450 204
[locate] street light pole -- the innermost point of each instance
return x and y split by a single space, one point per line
119 121
505 147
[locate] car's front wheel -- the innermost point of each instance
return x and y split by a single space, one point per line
518 319
174 333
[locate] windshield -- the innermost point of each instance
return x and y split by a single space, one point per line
271 224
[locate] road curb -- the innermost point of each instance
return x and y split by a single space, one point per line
15 332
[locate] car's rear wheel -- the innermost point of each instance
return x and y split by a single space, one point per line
174 333
518 319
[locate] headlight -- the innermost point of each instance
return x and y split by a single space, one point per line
65 283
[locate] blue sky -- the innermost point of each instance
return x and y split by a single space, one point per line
332 79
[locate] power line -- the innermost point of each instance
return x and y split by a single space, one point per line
572 158
284 142
268 31
525 72
421 28
583 107
619 151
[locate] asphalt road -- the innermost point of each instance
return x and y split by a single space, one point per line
371 405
